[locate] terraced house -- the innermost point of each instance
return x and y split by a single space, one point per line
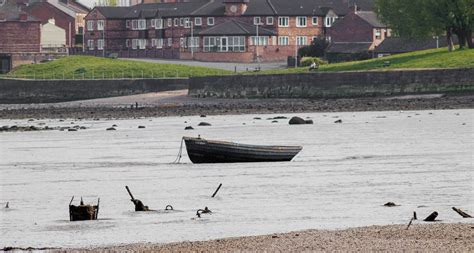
213 30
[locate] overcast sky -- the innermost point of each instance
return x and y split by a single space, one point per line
89 3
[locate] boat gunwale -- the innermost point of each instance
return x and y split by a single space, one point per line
248 146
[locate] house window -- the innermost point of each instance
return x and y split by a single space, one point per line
237 44
210 21
127 43
100 25
378 34
170 22
152 22
170 42
100 44
300 21
259 41
283 41
224 44
134 24
328 21
314 20
283 21
257 21
269 20
197 21
134 43
141 24
181 22
142 43
127 24
176 21
210 44
159 43
301 40
193 42
159 23
90 44
90 25
187 23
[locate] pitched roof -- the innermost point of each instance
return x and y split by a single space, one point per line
255 8
113 12
371 18
234 28
10 12
402 45
348 47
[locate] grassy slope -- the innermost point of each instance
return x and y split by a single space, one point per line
108 68
434 58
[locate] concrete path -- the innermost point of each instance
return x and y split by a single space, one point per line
218 65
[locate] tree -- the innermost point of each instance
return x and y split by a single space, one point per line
422 18
316 49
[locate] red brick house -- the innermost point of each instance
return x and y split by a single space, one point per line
212 30
45 11
356 35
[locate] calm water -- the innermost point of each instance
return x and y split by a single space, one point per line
341 179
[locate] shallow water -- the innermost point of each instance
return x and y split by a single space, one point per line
341 178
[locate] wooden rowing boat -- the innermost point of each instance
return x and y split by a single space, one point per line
209 151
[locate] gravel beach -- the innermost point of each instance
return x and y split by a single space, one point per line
177 103
434 237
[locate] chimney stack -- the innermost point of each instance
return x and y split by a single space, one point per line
23 16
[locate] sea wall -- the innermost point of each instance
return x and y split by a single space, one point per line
335 84
15 91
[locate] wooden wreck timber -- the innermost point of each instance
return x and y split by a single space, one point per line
83 212
209 151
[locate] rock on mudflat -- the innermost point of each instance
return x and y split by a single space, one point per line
338 121
204 124
297 121
189 128
111 129
309 121
72 130
141 126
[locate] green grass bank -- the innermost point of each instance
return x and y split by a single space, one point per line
89 67
426 59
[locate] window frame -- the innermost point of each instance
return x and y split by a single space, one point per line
100 25
270 18
90 25
198 23
317 20
299 22
286 18
100 44
210 23
286 39
257 20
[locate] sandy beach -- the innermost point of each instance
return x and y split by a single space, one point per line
177 103
432 237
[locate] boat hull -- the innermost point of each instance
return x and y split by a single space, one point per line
207 151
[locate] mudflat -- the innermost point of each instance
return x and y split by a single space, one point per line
177 103
434 237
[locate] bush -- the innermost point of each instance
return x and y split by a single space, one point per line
306 61
316 49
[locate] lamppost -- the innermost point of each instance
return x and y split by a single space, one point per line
192 39
256 46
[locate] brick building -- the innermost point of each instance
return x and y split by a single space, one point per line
355 36
213 30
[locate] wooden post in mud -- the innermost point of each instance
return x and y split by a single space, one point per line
130 193
432 216
139 206
213 195
460 212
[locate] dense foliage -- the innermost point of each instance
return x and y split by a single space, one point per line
422 18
